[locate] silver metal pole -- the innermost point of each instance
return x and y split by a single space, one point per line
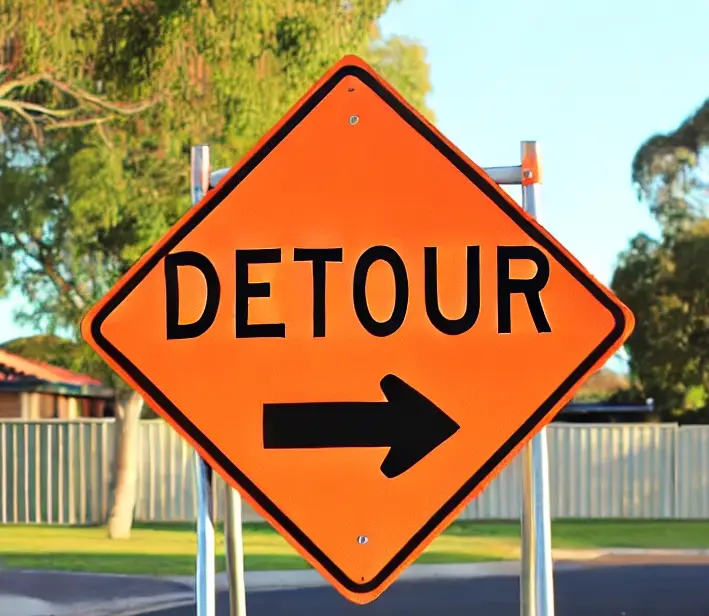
537 582
499 175
203 180
528 606
505 175
216 176
199 172
205 587
234 541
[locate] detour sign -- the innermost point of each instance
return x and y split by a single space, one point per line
357 329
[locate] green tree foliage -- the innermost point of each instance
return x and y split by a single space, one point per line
663 279
666 284
47 348
100 103
140 82
671 172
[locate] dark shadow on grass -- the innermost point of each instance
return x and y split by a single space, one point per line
141 564
250 527
437 558
484 528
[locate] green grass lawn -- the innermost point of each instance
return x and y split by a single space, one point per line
163 549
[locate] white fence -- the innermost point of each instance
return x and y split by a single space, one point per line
59 472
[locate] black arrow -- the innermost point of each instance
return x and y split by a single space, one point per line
408 422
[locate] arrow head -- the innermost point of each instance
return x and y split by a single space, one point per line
420 426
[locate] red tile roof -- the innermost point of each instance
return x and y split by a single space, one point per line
40 370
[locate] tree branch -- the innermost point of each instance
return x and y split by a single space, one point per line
19 110
8 87
79 123
99 109
40 109
79 94
65 287
102 133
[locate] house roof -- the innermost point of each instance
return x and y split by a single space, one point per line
16 368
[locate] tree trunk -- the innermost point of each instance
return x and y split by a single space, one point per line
125 466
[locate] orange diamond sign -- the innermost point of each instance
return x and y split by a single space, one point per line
357 328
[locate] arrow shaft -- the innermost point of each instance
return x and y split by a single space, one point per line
327 424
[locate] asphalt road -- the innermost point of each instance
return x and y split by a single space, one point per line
599 589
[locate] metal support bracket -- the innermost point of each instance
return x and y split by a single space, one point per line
537 588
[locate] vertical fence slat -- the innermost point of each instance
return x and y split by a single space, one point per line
140 484
603 479
71 479
172 439
151 472
37 473
163 454
105 476
83 489
4 457
61 472
558 474
674 464
185 465
660 491
572 501
94 470
693 472
15 475
26 468
49 475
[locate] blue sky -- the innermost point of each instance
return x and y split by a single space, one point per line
589 80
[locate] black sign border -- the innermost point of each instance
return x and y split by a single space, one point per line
481 183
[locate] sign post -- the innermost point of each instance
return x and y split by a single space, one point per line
380 329
537 581
233 537
205 570
234 546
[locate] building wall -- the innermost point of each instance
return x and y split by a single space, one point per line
39 406
47 406
33 405
92 407
10 405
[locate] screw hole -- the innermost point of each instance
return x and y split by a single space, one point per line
354 119
350 89
362 539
